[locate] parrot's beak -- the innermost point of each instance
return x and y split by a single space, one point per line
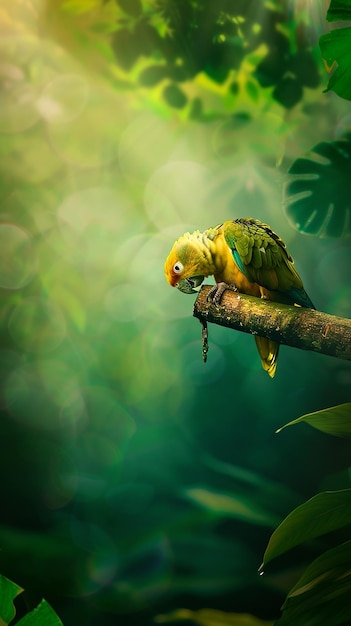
190 285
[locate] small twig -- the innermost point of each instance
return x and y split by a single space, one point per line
294 326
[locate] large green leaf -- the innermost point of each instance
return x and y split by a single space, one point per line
322 595
329 605
335 421
336 51
339 10
317 193
42 615
322 514
8 592
331 565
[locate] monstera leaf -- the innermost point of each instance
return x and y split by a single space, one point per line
336 49
316 195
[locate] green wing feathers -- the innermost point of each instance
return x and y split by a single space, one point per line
262 256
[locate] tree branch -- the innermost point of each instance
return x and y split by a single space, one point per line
298 327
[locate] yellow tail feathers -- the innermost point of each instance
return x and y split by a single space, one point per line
268 351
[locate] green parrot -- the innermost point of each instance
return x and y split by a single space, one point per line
244 255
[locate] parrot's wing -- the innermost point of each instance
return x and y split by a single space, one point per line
262 257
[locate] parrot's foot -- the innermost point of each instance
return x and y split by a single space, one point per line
215 294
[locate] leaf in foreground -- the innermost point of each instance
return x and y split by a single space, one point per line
335 421
322 595
8 592
42 615
322 514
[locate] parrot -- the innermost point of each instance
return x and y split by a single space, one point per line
243 255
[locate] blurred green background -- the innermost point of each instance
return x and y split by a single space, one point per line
134 478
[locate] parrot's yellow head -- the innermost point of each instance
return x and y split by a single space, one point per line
189 262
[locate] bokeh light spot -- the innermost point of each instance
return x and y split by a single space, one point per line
17 257
98 146
18 109
26 401
29 157
176 191
37 325
58 380
93 221
136 159
73 415
63 99
91 207
122 303
37 392
18 96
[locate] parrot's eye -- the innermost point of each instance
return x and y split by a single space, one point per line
178 267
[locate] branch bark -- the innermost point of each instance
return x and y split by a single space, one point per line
298 327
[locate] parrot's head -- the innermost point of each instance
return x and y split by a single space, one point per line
185 266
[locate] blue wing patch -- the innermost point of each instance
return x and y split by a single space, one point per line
238 261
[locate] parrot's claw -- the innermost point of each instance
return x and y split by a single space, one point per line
216 293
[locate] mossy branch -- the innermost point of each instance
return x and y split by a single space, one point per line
298 327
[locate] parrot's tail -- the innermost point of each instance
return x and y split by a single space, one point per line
268 351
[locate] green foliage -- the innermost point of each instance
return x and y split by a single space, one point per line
287 72
8 592
335 48
42 615
322 514
322 593
189 39
334 421
315 195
